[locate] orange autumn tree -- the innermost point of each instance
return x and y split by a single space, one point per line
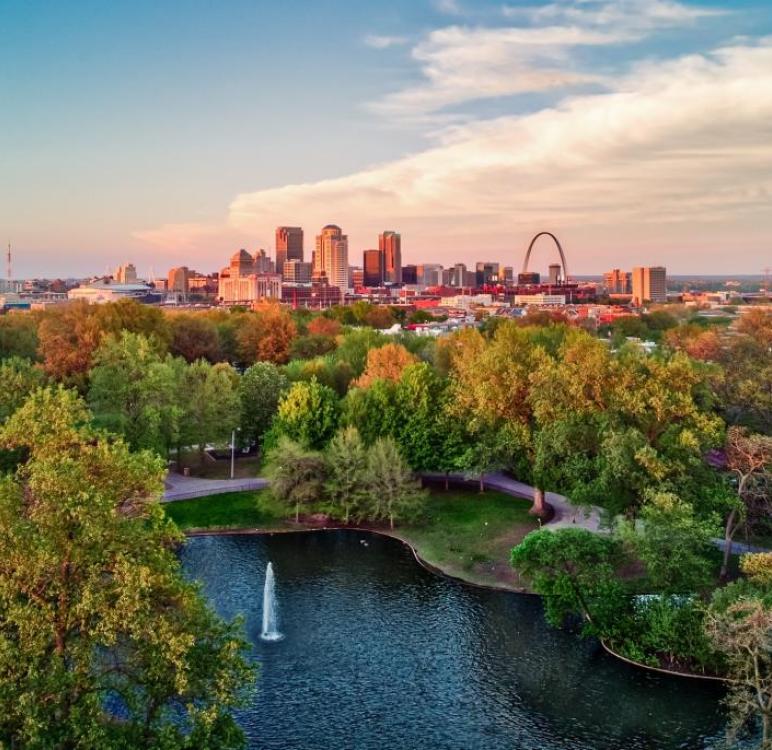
266 335
321 326
385 363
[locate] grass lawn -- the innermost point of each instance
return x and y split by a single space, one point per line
467 534
231 510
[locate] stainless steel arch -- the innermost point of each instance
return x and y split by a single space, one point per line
560 250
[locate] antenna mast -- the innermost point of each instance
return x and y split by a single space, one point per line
8 261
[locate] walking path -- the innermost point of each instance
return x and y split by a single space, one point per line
179 487
567 515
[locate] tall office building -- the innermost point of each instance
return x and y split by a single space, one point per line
372 262
486 273
126 274
263 264
429 274
410 274
296 272
178 279
649 285
617 282
554 273
390 245
289 245
331 256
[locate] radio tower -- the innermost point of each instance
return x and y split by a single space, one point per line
8 263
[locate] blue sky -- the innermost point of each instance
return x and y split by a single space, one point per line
166 132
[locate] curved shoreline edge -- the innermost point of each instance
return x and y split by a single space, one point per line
438 571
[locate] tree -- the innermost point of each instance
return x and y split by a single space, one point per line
103 642
260 389
297 475
393 492
211 404
19 336
379 317
673 543
575 571
308 347
749 458
355 345
743 634
491 449
346 458
68 337
373 411
308 414
323 326
266 335
18 378
194 337
133 392
385 363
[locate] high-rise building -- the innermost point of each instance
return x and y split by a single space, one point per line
410 274
617 282
486 273
126 274
429 274
296 272
649 285
331 256
289 245
356 277
372 262
178 279
507 274
554 273
263 264
390 245
241 283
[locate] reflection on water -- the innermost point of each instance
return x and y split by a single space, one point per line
380 653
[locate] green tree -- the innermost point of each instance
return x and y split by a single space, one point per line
575 571
194 337
133 392
297 475
211 405
260 389
673 543
346 458
308 414
18 378
19 336
393 492
103 643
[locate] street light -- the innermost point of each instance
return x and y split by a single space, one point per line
233 451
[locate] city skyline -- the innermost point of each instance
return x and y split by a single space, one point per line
637 131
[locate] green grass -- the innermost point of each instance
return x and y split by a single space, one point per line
470 535
231 510
465 533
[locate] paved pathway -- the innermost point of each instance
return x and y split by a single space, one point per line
567 515
179 487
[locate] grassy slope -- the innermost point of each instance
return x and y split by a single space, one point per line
466 534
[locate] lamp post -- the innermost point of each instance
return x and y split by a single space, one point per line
233 452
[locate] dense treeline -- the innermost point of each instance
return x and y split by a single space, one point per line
674 446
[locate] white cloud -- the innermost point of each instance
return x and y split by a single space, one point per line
449 7
462 63
687 142
379 41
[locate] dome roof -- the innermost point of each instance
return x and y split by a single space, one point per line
242 256
331 226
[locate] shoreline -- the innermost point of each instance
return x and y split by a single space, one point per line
437 570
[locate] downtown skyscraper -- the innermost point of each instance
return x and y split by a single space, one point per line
289 246
390 246
331 256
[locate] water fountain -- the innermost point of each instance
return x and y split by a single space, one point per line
270 615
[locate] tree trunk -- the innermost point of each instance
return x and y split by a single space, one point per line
537 509
482 482
345 518
297 512
729 532
391 521
447 481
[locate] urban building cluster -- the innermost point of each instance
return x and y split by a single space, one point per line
329 278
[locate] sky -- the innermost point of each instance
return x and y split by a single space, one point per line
168 133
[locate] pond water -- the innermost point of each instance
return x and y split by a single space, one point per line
380 653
